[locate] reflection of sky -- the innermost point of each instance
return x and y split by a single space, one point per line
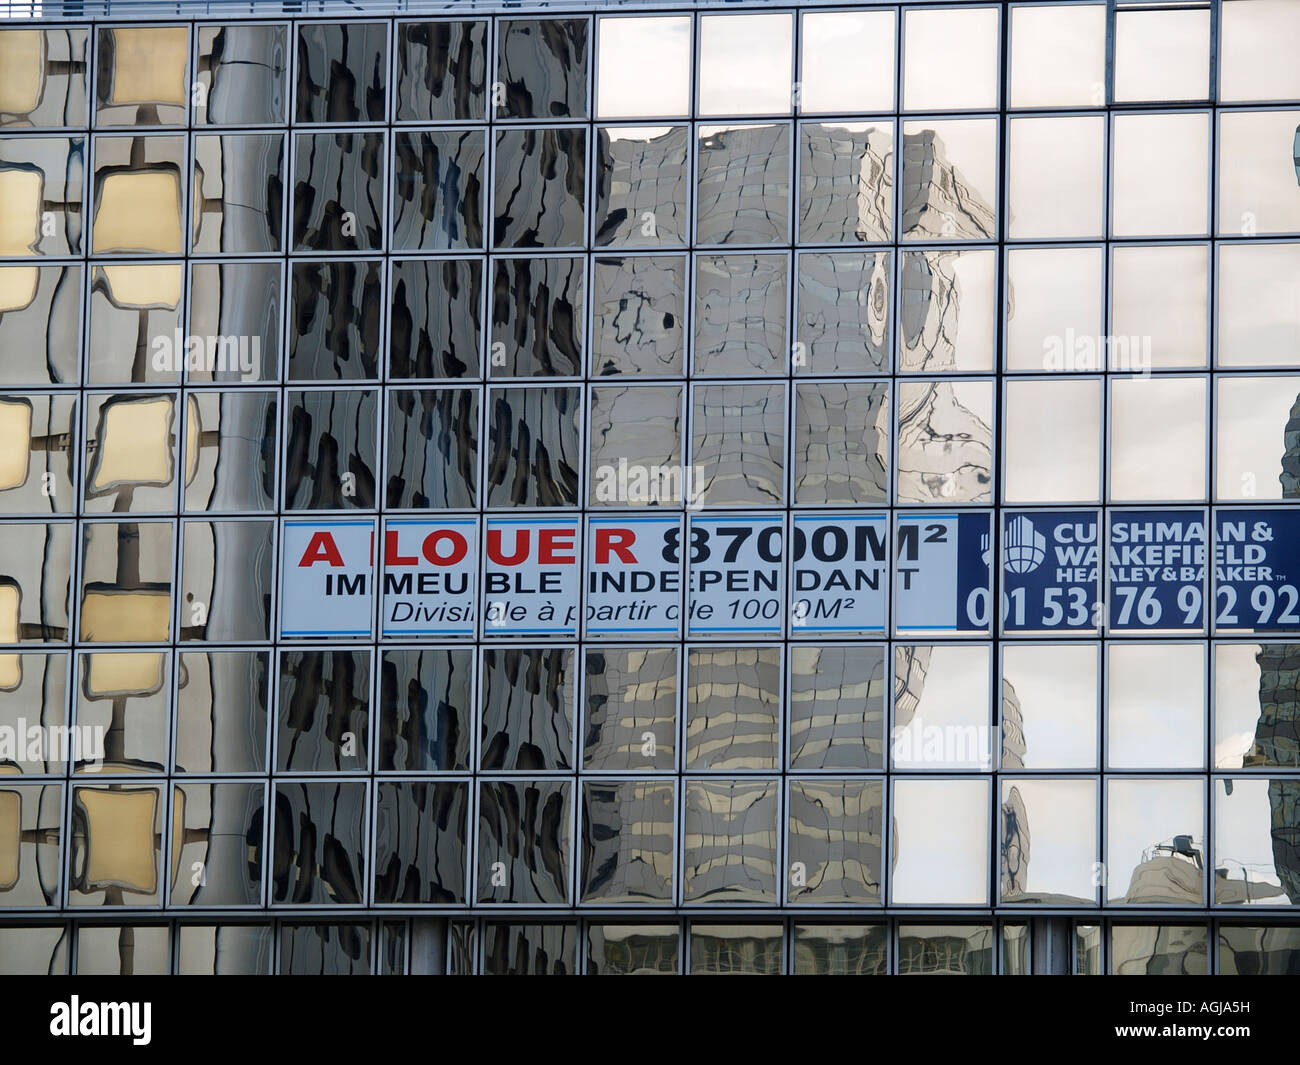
1242 825
1252 413
848 61
1259 304
1159 303
941 831
1057 55
1262 184
645 67
1142 813
1236 702
1053 445
1062 823
1156 706
1050 292
1162 55
950 59
954 697
975 396
746 64
1158 438
1057 689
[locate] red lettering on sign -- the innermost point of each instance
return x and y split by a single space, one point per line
459 547
618 541
552 541
392 557
321 548
522 539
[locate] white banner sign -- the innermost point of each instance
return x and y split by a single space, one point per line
327 578
430 577
531 577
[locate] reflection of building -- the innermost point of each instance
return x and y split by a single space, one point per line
1277 735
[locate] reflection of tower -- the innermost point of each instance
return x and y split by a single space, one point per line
951 441
1277 734
1014 845
911 665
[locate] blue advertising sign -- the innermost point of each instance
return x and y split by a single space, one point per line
1257 570
1156 566
942 572
1049 571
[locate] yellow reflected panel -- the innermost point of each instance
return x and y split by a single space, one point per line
15 442
138 210
141 286
22 70
129 673
134 444
125 617
20 211
149 65
119 838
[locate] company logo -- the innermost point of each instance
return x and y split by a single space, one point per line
1024 548
103 1018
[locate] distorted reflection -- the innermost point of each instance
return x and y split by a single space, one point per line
729 850
630 692
242 73
945 442
528 698
739 440
641 185
627 841
441 70
524 841
435 319
1155 841
638 314
45 76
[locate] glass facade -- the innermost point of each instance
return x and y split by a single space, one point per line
617 488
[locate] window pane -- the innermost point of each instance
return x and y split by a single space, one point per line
543 65
949 59
1155 842
1049 843
1155 706
746 64
1158 307
641 185
846 182
1157 438
441 70
644 67
1260 184
1058 55
1057 177
1162 55
1054 309
847 61
1053 441
948 817
1161 174
1256 40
